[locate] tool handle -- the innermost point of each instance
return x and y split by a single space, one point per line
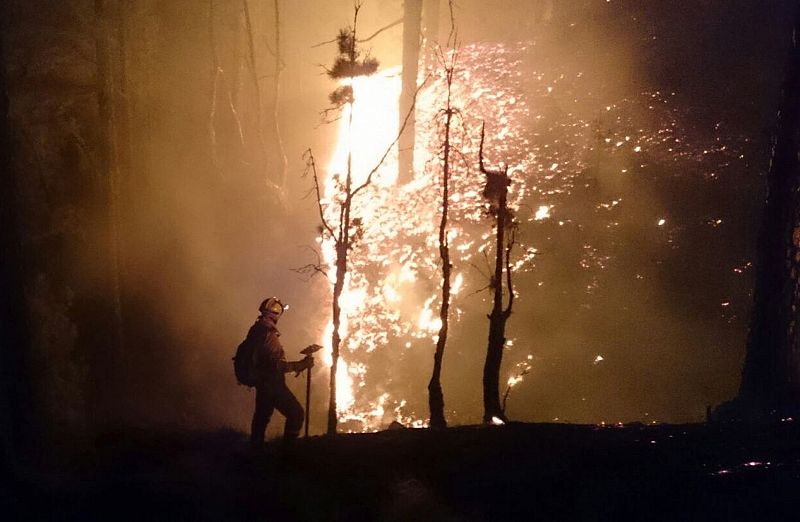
308 397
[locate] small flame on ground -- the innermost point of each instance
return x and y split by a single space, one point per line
543 212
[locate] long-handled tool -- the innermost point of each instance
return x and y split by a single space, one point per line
309 352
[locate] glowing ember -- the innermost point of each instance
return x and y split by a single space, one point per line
542 213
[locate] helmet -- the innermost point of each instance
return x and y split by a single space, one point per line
271 304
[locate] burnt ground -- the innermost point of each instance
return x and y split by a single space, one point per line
516 472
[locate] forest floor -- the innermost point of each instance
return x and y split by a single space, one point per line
516 472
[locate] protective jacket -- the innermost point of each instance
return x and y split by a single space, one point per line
269 359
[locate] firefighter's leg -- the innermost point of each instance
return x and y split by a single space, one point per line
264 408
286 403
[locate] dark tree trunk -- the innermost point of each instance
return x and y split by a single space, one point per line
412 19
16 408
106 331
771 373
435 394
496 192
497 325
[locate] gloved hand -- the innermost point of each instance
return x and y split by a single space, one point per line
302 365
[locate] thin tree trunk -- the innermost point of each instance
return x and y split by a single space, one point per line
497 323
342 248
108 60
251 53
435 395
215 72
412 18
282 161
497 192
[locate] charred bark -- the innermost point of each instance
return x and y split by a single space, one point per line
771 373
496 192
435 394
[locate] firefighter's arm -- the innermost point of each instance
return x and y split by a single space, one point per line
303 364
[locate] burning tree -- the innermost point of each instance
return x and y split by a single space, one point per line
496 193
348 64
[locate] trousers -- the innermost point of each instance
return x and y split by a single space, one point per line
276 396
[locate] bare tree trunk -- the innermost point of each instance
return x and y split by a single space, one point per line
336 339
412 17
435 395
280 178
497 192
771 373
262 155
342 247
497 324
216 72
109 53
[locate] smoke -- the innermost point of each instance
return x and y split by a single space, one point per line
641 127
610 280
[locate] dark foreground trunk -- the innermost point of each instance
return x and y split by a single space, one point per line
771 374
16 409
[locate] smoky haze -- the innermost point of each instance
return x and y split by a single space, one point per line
204 233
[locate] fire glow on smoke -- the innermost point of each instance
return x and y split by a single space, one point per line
391 298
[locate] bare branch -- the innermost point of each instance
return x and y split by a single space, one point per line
509 285
324 43
311 166
382 29
235 113
520 375
311 269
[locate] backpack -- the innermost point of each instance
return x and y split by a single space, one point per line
243 363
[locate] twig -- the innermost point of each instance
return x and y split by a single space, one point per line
382 29
311 166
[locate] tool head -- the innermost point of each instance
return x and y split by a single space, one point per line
311 349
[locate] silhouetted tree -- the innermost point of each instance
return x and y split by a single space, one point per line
771 374
435 394
496 193
114 138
